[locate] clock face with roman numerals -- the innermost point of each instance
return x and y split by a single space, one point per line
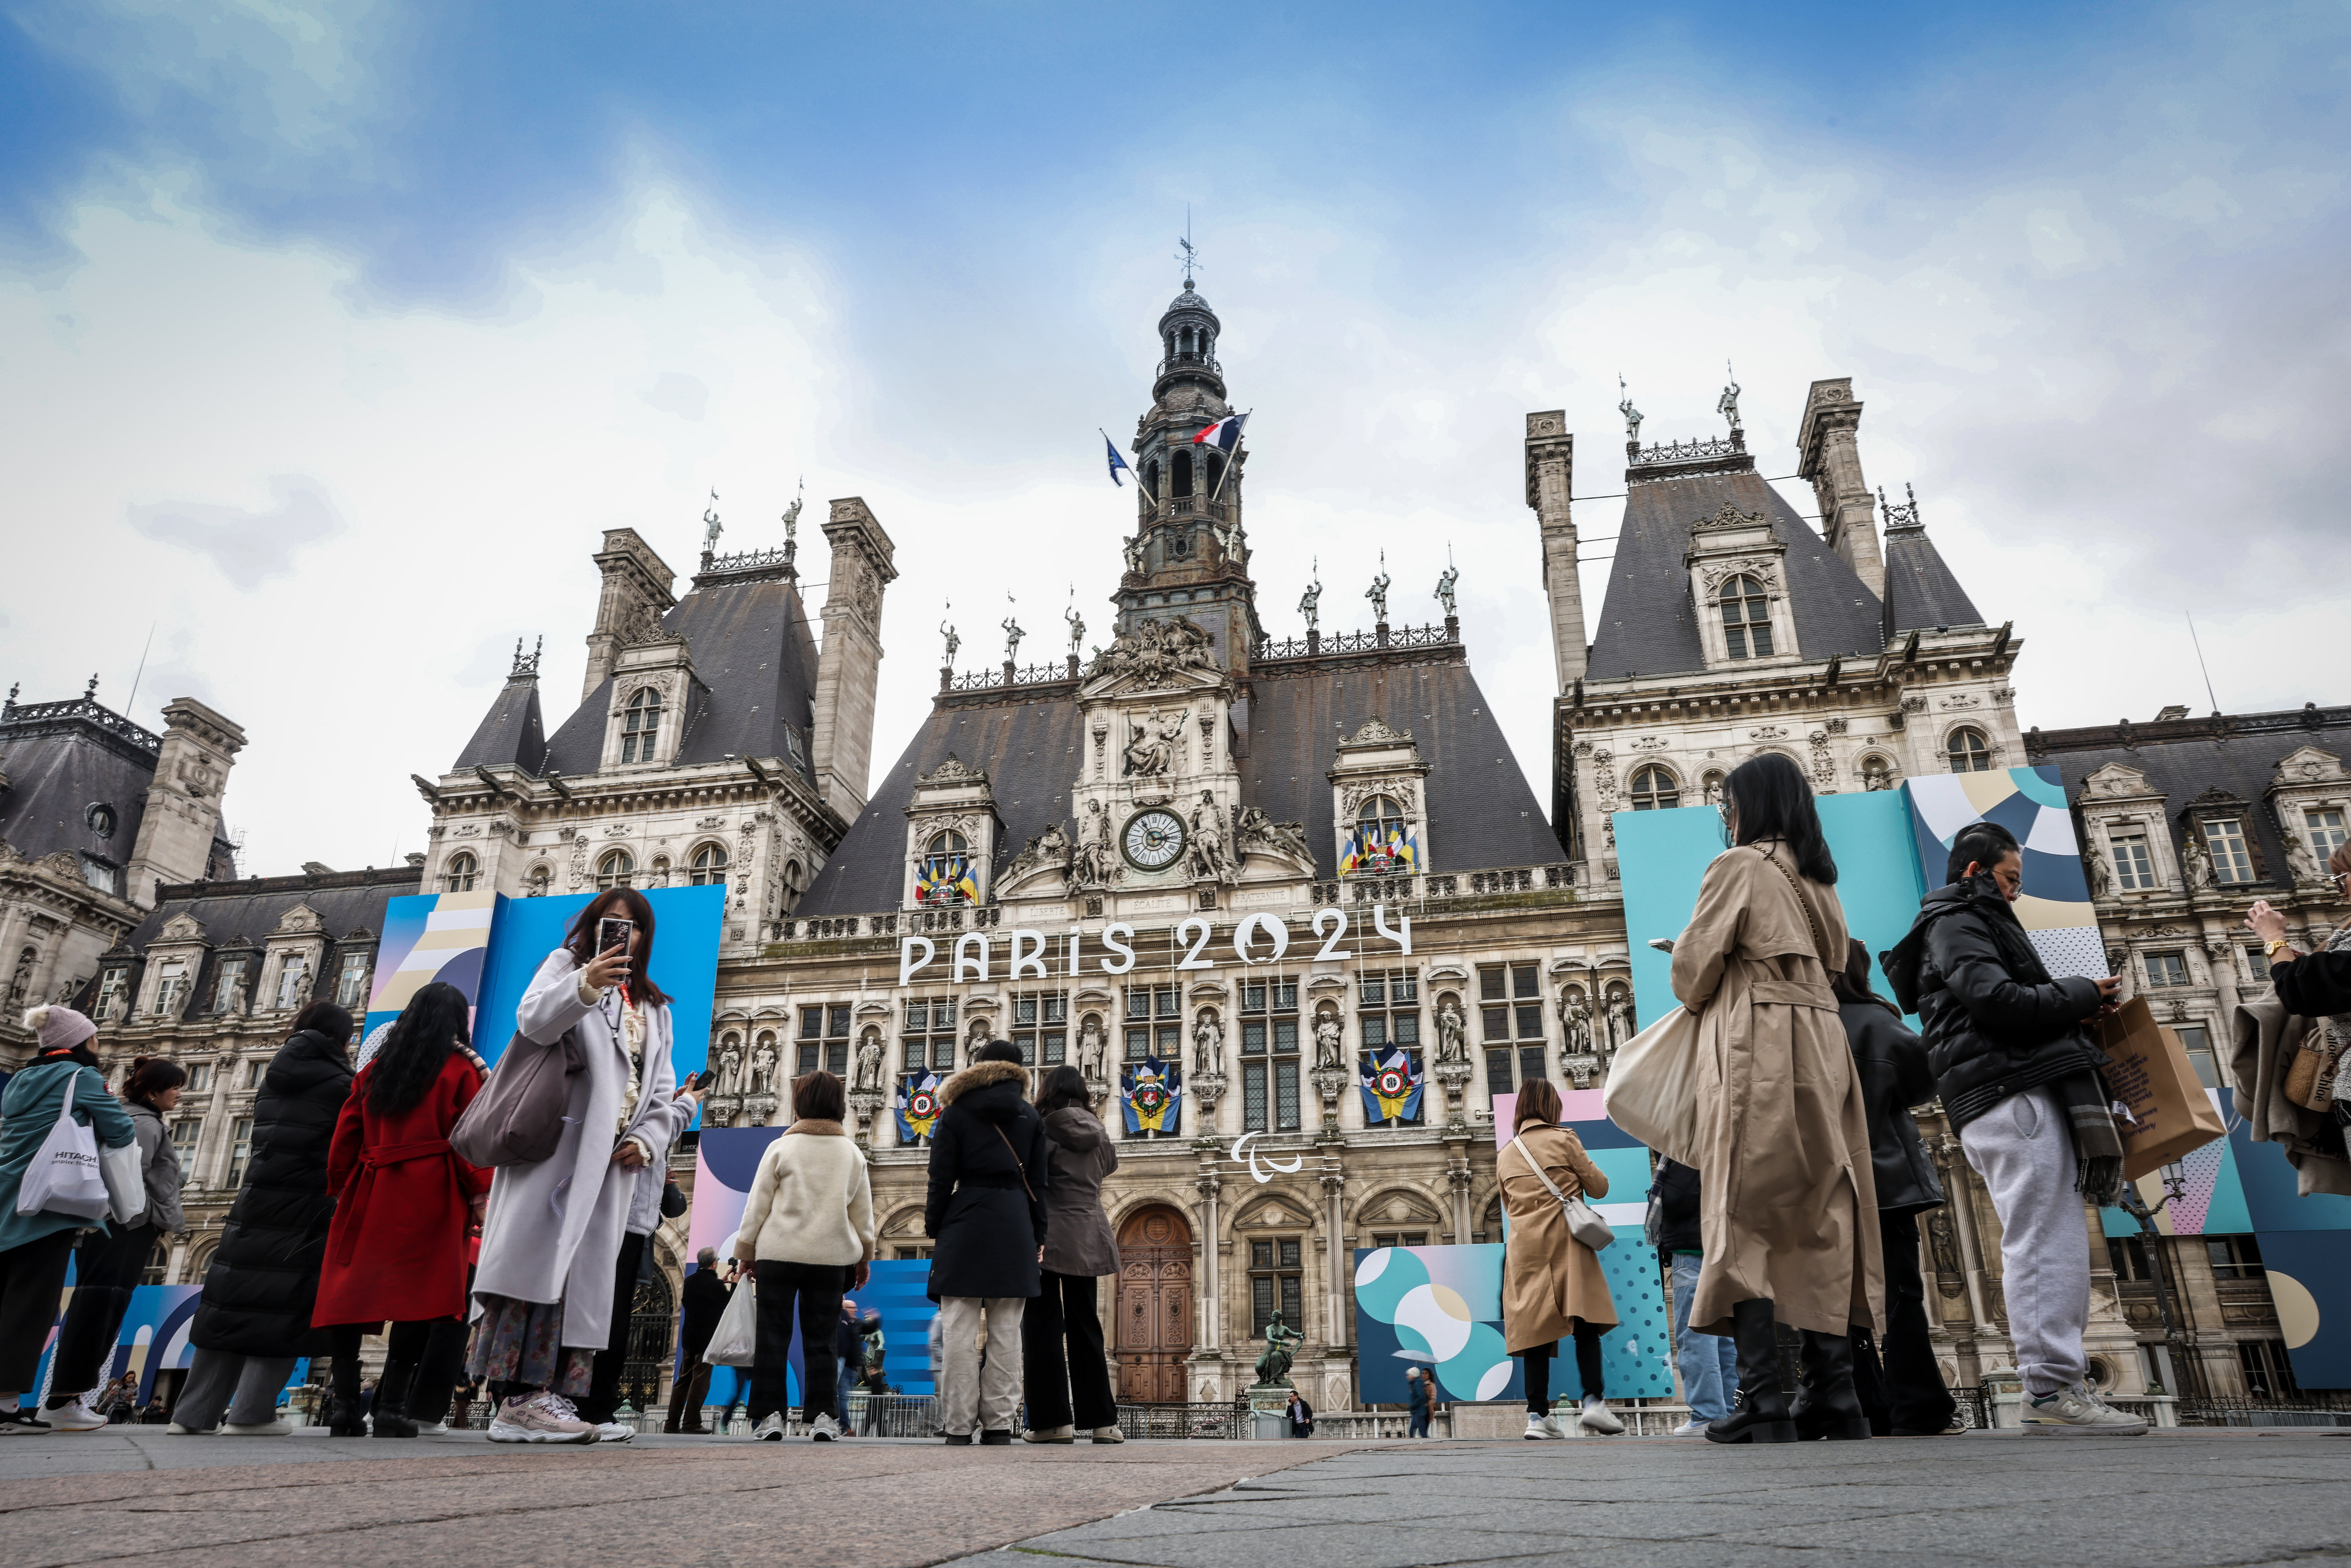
1154 839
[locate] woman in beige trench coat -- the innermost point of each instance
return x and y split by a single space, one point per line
1553 1285
1787 1209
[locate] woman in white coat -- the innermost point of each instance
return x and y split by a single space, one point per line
542 1304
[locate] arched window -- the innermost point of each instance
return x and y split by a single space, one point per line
1216 474
709 865
617 869
1655 789
1383 844
461 873
159 1263
1746 618
946 876
1180 473
1969 751
641 726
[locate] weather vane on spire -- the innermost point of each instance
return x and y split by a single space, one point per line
1190 257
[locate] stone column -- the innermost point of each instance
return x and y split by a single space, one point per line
1336 1335
1551 469
1211 1312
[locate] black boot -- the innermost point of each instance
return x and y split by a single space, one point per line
390 1418
343 1415
1760 1412
1827 1404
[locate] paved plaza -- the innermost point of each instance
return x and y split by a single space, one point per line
2169 1499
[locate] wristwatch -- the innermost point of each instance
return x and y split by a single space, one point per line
2271 950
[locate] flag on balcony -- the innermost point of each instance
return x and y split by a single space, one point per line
1117 465
1391 1087
1380 849
946 879
1152 1091
917 1105
1225 434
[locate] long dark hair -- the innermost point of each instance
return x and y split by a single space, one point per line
420 1040
149 1076
1774 802
619 903
1064 1087
329 1018
1852 984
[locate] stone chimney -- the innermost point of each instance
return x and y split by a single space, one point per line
637 585
1551 472
849 664
182 811
1827 455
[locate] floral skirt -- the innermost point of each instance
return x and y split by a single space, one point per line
521 1342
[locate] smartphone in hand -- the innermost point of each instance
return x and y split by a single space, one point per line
612 932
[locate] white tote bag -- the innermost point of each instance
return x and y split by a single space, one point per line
1651 1090
65 1176
126 1183
737 1340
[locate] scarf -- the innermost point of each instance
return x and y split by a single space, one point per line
2097 1147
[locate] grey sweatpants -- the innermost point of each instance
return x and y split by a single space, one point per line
2024 1152
245 1388
972 1396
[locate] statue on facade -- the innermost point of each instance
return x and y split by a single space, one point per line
730 1069
1259 831
1574 1021
1077 628
1620 1020
792 515
1445 587
1273 1366
1310 601
869 1061
1092 1046
974 1039
1632 415
1378 592
1012 635
710 527
1096 861
2102 880
763 1068
1232 541
1207 1046
2300 864
1728 404
946 660
1210 856
1134 549
1330 1041
1452 1034
2200 865
1152 752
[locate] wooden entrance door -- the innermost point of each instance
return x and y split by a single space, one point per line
1152 1335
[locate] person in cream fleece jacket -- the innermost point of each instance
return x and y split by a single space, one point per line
808 1234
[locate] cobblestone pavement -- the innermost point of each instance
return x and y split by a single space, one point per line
2172 1498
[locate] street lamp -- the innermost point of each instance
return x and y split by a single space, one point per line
2175 1184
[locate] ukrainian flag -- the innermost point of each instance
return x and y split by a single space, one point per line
1392 1088
1153 1093
949 875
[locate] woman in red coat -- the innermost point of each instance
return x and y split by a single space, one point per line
404 1205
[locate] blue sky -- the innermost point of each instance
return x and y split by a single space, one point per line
332 335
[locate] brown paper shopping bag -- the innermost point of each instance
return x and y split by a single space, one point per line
2163 1111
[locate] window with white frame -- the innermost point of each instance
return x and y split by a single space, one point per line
228 986
2326 831
171 986
709 865
293 981
1746 618
254 1072
1655 789
112 988
2134 867
462 871
1968 751
2232 859
2167 969
351 981
240 1150
641 726
199 1078
617 869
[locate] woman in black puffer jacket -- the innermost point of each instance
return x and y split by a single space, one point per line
254 1317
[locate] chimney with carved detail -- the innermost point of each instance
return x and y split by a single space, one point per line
1551 472
183 803
1827 455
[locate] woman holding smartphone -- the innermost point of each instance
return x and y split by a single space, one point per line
553 1235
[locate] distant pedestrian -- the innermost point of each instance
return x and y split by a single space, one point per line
1785 1203
1302 1416
849 1351
705 1294
989 1173
254 1318
2018 1076
36 1248
1553 1285
1709 1362
109 1265
808 1231
552 1238
1420 1399
1901 1391
1063 1370
403 1201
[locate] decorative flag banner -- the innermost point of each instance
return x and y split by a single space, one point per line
1117 464
1379 851
946 879
1391 1087
1153 1093
1225 434
917 1105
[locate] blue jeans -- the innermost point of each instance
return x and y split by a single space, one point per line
1418 1426
1709 1362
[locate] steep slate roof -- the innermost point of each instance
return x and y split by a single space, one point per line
510 732
1921 593
1480 811
755 659
345 902
1649 625
2238 754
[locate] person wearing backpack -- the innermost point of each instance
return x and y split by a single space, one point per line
35 1248
1552 1284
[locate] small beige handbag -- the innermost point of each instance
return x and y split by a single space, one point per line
1651 1089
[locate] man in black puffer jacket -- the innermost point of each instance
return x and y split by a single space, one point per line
2019 1080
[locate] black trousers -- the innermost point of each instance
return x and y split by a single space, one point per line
32 1278
1587 1368
817 1288
686 1393
1064 1378
107 1272
603 1395
1906 1393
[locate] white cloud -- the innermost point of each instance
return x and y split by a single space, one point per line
249 546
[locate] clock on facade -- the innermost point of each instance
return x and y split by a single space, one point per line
1154 839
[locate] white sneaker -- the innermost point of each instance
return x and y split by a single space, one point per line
77 1416
1693 1428
614 1432
1540 1427
433 1428
260 1429
176 1430
541 1418
1050 1434
2075 1411
824 1429
771 1428
1108 1435
1596 1419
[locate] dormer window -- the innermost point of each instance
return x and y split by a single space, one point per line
617 869
293 982
170 987
1746 618
1655 789
945 875
2231 861
228 986
1383 844
709 865
1969 751
641 726
462 873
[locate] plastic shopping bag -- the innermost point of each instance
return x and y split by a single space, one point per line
737 1340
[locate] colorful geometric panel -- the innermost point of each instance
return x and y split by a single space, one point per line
443 937
2310 1280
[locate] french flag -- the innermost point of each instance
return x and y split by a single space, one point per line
1225 434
